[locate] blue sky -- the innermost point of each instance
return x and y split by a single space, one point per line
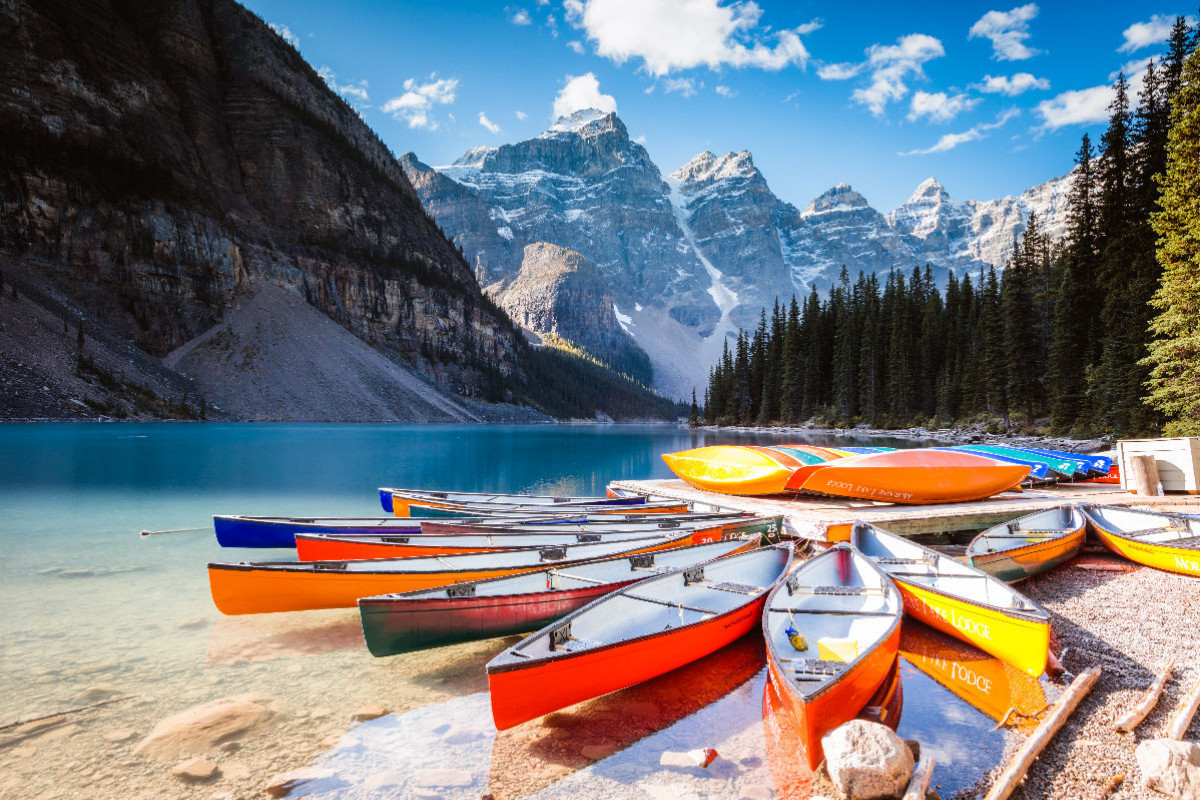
990 99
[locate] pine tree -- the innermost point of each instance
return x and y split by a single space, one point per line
694 418
993 356
791 395
1021 324
1175 351
768 407
812 364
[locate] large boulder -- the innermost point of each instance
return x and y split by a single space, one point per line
1170 767
867 760
202 728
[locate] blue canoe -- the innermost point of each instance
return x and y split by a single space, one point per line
478 499
1037 469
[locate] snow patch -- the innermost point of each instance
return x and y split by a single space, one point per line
625 320
725 298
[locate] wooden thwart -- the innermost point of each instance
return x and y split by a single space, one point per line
1135 715
1183 715
1014 773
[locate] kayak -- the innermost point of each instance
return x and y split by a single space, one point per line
393 500
517 604
634 634
1058 467
1029 545
585 522
832 630
960 600
1090 466
910 476
1038 471
327 547
267 586
741 470
999 691
1169 542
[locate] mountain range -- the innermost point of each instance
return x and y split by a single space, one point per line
691 256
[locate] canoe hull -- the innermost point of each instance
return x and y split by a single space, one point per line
1024 643
1184 560
816 717
733 469
1035 558
442 621
912 483
519 695
246 532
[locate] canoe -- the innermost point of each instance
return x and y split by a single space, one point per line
1089 466
1058 468
1038 471
277 532
791 776
983 681
634 634
847 613
584 522
729 469
909 476
429 511
517 604
960 600
393 499
327 547
1169 542
1028 545
266 586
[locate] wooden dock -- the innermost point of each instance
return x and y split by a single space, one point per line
828 519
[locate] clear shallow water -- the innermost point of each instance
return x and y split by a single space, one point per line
92 610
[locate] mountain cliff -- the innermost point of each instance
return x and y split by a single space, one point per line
161 158
692 256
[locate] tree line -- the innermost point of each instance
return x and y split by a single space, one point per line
1062 334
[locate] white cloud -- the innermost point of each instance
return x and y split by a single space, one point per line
1143 34
725 91
521 115
518 17
839 72
1008 31
683 86
953 140
582 91
576 45
701 33
419 98
1011 86
890 65
552 24
356 90
1087 106
286 34
640 139
810 26
939 106
492 127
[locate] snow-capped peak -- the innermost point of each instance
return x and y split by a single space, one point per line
840 198
929 188
707 167
474 157
576 120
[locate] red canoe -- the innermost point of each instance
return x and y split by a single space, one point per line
910 476
846 613
634 634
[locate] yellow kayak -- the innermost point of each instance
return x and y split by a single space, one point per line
960 600
1164 541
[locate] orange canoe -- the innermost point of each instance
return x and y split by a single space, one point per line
832 631
909 476
268 586
734 469
634 634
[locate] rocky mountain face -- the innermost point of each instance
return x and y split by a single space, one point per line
690 257
158 157
558 291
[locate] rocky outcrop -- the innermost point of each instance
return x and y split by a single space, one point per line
558 291
201 728
159 156
867 761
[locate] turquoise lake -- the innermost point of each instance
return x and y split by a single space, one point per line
93 610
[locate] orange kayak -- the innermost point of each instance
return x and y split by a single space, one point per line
909 476
634 634
832 631
734 469
267 586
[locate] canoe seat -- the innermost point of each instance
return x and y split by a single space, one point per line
1190 543
1148 532
736 588
886 560
843 590
814 669
834 611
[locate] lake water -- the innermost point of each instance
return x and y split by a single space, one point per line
93 610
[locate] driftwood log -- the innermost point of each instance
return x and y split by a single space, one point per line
1135 715
918 784
1014 773
75 710
1185 712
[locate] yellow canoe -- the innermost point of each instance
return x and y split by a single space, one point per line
960 600
734 469
1164 541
